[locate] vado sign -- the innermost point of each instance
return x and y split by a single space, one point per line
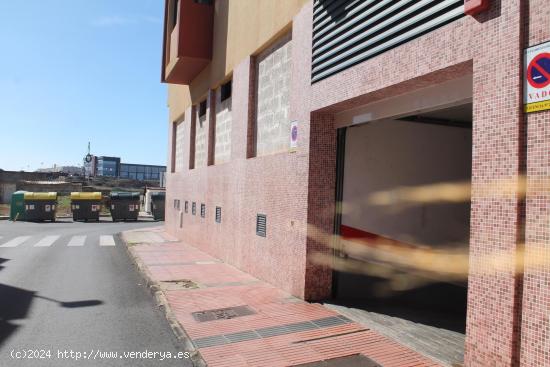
537 78
472 7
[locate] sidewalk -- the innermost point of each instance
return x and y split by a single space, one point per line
252 323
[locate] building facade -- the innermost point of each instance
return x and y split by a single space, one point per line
295 120
108 166
141 172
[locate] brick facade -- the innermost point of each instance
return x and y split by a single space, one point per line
507 317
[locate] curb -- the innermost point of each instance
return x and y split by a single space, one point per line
162 303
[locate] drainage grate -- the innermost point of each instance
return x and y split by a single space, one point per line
261 225
356 360
223 313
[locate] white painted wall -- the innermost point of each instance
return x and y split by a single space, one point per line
387 154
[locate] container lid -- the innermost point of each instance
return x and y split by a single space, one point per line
41 196
86 196
124 195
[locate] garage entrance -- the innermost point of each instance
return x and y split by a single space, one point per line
391 175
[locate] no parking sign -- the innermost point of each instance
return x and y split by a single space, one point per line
537 78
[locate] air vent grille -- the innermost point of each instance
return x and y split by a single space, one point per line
347 32
261 225
218 214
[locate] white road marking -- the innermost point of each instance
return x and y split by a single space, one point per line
47 241
77 241
106 241
16 241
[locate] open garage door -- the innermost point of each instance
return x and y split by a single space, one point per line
405 187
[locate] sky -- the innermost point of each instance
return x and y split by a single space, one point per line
73 71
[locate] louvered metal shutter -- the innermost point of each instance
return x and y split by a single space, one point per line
261 225
347 32
218 214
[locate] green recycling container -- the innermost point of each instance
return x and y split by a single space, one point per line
17 206
124 205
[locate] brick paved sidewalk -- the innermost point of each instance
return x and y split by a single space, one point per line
276 328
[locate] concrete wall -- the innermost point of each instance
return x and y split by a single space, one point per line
222 149
201 135
6 189
273 72
388 154
179 145
62 188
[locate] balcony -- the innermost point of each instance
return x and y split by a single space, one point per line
187 46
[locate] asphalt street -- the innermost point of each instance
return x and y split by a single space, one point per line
70 296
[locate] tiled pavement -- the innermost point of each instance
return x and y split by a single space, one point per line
282 331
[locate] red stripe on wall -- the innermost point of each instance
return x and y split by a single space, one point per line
370 239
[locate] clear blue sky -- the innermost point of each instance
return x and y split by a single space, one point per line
73 71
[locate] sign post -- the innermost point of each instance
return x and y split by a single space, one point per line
537 78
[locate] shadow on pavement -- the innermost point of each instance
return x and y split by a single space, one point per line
15 304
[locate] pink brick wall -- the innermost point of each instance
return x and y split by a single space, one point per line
535 326
469 45
275 185
296 189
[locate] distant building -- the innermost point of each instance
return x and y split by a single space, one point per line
71 170
108 166
141 171
112 167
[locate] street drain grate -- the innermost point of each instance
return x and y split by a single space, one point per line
356 360
223 313
180 283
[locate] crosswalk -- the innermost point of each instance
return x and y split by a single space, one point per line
58 240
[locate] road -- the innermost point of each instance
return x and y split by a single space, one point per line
68 291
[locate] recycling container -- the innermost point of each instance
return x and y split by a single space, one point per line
17 206
40 206
124 205
86 205
157 205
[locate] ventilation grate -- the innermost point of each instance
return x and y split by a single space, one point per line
347 32
261 225
218 214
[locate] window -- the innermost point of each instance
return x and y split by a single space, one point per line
202 108
226 91
203 210
186 207
194 208
175 12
